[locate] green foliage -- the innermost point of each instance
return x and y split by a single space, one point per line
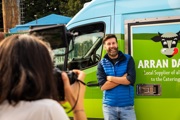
43 8
73 7
40 8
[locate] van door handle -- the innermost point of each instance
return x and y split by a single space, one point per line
149 89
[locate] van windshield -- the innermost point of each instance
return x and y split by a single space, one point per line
87 46
87 51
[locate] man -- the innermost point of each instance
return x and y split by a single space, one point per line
116 77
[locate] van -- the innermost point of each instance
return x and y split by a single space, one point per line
149 30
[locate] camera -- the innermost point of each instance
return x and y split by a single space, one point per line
59 82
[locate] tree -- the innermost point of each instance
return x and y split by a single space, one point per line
40 8
43 8
10 15
1 19
73 7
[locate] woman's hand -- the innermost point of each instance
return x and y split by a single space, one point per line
75 93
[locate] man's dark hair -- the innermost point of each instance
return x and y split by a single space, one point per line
108 37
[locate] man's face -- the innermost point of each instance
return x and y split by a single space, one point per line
111 47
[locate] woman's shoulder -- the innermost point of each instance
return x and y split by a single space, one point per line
41 109
46 103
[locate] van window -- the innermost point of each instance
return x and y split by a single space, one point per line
87 46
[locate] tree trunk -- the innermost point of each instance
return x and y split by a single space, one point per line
11 15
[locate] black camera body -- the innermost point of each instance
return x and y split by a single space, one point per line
60 85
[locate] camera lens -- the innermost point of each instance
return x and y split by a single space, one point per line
60 85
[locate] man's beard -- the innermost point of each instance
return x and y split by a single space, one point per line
113 52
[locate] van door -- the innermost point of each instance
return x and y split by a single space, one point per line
154 44
85 56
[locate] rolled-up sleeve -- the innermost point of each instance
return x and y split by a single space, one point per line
131 72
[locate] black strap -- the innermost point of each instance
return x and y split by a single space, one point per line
79 81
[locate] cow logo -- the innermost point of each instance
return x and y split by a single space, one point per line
169 42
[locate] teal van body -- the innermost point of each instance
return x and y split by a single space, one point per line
149 30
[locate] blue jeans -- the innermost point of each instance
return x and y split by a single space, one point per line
119 113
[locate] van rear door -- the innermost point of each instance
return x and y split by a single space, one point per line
154 43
